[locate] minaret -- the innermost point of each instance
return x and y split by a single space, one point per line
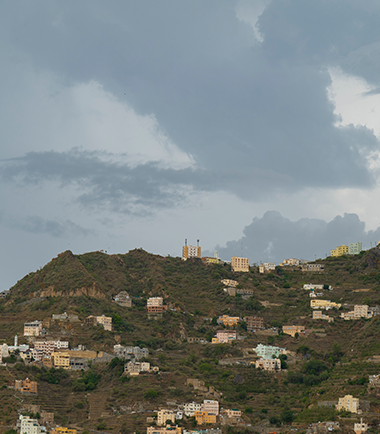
16 341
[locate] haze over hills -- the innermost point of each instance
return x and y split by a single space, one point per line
86 284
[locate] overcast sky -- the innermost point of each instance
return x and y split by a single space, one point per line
129 124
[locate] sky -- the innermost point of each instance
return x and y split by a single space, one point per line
251 125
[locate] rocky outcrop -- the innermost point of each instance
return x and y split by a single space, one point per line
92 291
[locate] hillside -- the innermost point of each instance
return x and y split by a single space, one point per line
327 362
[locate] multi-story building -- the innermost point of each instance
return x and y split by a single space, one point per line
48 347
340 250
355 248
312 268
240 264
123 299
269 364
134 368
360 311
155 305
61 360
267 267
254 323
293 329
310 286
224 337
229 282
361 427
164 415
26 386
33 328
291 262
348 403
229 321
136 353
29 425
317 314
234 412
324 304
203 417
169 429
268 351
105 321
191 407
189 251
210 406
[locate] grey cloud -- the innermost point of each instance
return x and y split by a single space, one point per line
371 92
235 105
274 237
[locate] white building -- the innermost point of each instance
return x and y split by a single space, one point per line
191 407
210 406
189 251
32 328
267 267
29 426
268 351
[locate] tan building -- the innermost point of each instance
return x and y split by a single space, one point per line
349 403
229 321
33 328
312 268
317 314
155 305
61 360
169 429
165 415
203 417
230 282
105 321
233 412
361 427
291 262
293 329
269 364
240 264
324 304
189 251
26 386
267 267
339 251
63 430
224 337
254 323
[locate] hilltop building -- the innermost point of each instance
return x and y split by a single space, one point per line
267 267
340 250
240 264
189 251
355 248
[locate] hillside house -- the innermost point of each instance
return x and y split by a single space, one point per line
123 299
317 314
105 321
361 427
310 286
360 311
355 248
254 323
224 337
62 430
64 317
134 368
229 321
33 328
291 262
374 380
268 351
312 268
191 407
129 353
26 386
324 304
234 412
155 305
230 282
293 329
267 267
268 364
168 429
203 417
339 251
165 415
349 403
240 264
27 425
48 347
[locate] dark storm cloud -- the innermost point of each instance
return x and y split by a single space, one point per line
257 111
101 182
275 238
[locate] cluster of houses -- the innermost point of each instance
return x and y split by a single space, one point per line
29 425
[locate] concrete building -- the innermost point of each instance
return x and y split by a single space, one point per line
340 250
48 347
324 304
267 267
189 251
312 268
26 386
361 427
33 328
224 337
348 403
230 282
105 321
123 299
210 406
228 321
202 417
317 314
169 429
293 329
254 323
136 353
63 430
291 262
28 425
61 360
240 264
234 412
164 415
269 364
134 368
355 248
155 305
268 351
360 311
191 407
310 286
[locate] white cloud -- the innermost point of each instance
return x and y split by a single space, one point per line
249 12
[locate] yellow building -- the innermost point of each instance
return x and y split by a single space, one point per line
229 321
324 304
63 430
339 251
240 264
292 330
61 360
348 403
203 417
164 430
164 415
